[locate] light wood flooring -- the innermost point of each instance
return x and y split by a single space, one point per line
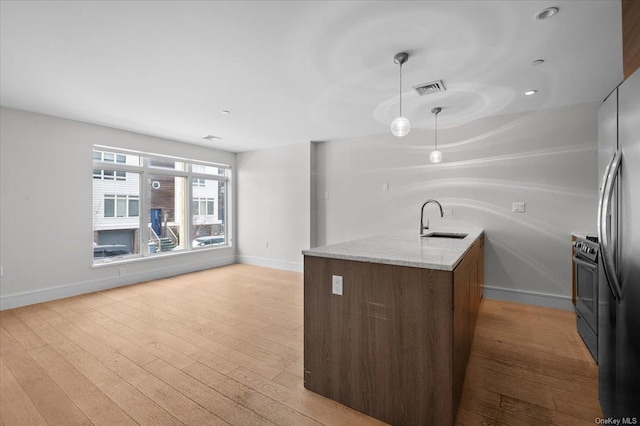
224 346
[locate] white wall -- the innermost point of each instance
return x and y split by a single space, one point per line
46 209
547 158
273 200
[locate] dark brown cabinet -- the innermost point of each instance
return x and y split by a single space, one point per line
481 266
461 324
573 271
468 283
395 344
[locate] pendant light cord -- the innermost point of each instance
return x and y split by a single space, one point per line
400 90
436 148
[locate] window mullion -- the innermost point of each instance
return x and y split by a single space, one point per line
116 167
144 208
168 172
209 177
188 214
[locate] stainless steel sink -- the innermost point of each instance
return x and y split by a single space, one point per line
454 235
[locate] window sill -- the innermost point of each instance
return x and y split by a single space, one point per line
140 258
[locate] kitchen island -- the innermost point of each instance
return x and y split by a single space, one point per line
388 323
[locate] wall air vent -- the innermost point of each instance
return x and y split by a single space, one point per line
428 88
212 138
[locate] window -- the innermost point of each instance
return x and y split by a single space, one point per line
202 206
149 204
109 174
165 199
166 163
121 205
109 157
197 168
207 212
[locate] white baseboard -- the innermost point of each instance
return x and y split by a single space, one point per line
529 297
271 263
45 295
38 296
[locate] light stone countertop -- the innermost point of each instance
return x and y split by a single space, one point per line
403 249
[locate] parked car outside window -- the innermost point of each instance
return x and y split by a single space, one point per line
208 241
110 251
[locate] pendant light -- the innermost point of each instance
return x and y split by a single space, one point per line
436 156
400 126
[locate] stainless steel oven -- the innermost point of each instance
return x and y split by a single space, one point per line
586 264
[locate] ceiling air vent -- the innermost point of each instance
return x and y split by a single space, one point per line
428 88
212 138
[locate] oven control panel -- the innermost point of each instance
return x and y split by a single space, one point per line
587 248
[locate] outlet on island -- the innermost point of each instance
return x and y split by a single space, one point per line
336 285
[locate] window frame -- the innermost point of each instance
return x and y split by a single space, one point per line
144 169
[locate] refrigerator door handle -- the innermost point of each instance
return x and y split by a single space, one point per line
605 180
604 232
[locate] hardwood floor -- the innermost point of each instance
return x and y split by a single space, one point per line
224 346
528 366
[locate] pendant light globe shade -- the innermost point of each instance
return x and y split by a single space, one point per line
400 127
435 156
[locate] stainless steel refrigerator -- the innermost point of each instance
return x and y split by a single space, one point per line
619 260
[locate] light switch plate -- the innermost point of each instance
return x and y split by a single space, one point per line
518 206
385 186
336 285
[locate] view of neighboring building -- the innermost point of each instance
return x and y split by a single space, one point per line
207 203
116 202
125 184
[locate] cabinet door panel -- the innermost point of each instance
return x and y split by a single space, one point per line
460 326
474 295
481 268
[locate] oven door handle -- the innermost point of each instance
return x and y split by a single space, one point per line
604 232
588 265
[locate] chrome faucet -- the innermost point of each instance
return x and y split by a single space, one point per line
422 227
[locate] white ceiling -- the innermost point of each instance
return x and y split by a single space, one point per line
299 71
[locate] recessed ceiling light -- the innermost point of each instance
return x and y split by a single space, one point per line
530 92
226 112
537 62
212 138
546 13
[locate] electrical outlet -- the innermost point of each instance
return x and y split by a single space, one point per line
326 195
336 285
385 186
266 244
518 206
